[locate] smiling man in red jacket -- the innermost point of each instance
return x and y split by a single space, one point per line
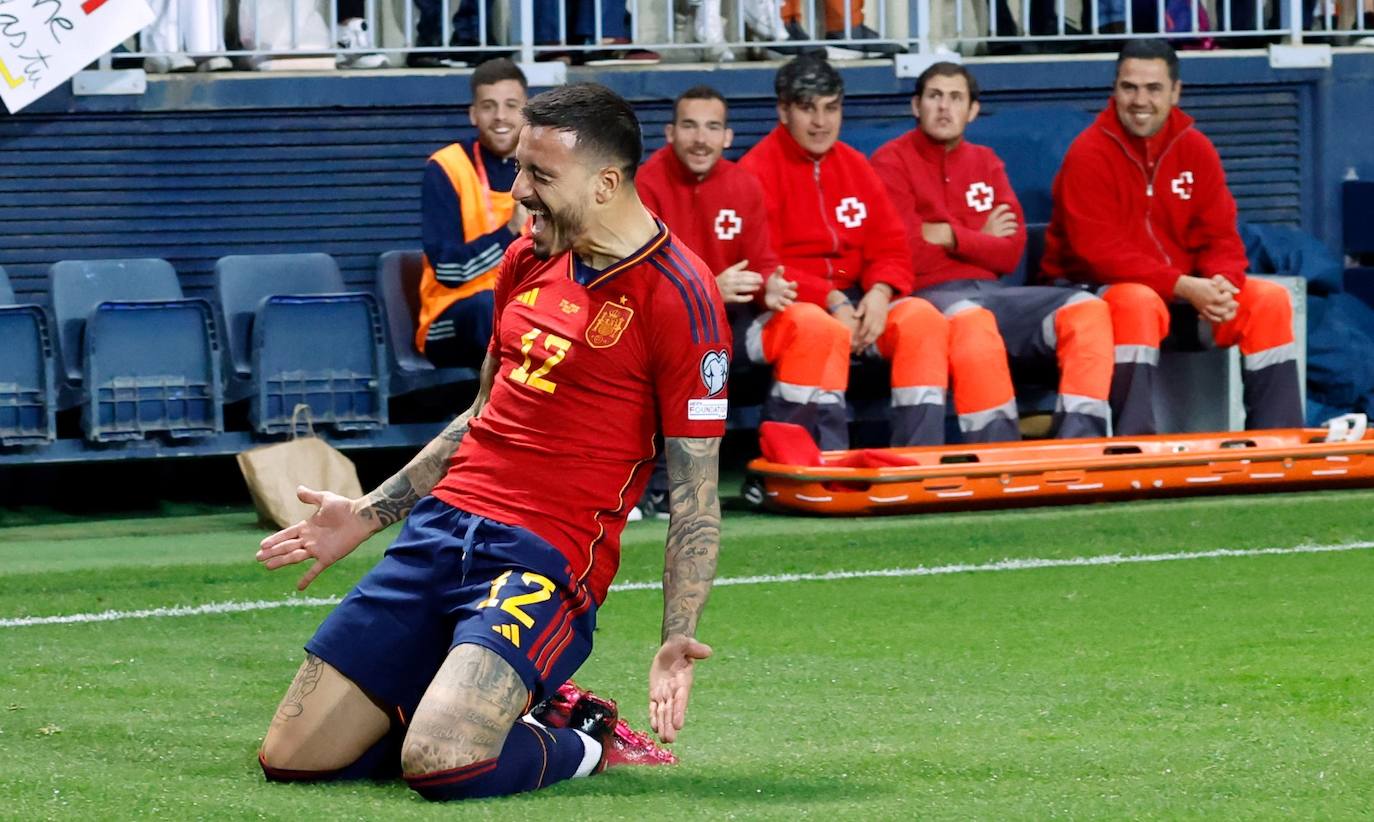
1141 209
965 230
718 209
843 244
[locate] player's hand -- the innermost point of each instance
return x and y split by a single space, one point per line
737 283
940 234
329 535
871 316
1001 222
1212 302
518 218
778 292
670 684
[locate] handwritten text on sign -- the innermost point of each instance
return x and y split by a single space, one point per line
44 42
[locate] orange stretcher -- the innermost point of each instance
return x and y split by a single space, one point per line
798 477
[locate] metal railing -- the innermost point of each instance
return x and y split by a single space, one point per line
293 28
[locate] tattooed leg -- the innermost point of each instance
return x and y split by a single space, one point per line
324 722
465 741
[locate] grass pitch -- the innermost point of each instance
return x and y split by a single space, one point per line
1220 688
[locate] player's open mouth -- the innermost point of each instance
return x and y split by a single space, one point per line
537 221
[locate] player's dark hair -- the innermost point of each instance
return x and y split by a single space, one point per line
700 93
494 71
603 122
805 77
948 69
1152 49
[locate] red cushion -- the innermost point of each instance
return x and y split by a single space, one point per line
788 444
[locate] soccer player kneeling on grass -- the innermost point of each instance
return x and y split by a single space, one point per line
485 603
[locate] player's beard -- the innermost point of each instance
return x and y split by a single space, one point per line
556 229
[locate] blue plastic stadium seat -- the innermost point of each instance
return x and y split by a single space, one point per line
136 356
28 388
296 336
398 287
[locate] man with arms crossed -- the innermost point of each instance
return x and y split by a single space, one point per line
487 600
966 230
1142 212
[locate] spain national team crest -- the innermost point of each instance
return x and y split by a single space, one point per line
609 323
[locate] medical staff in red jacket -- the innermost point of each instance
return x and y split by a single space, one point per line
1141 210
718 209
845 247
965 231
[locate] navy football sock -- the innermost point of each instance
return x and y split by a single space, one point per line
532 758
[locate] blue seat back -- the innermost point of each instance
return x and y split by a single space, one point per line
398 287
243 281
28 397
6 291
78 286
151 366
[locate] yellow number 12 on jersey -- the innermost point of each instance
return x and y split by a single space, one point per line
557 348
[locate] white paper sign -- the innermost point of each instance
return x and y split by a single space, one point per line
44 42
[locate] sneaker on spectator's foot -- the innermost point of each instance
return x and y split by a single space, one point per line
708 29
763 19
1366 40
862 33
795 32
353 35
631 56
170 63
215 64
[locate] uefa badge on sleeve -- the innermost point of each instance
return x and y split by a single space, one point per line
715 372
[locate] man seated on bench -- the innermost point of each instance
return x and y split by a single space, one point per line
844 246
1142 213
717 209
468 219
964 226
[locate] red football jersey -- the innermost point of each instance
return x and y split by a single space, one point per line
591 365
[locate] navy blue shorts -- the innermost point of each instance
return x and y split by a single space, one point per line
451 578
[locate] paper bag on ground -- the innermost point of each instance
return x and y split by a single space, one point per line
273 472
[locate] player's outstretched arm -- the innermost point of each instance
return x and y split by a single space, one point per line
689 568
340 525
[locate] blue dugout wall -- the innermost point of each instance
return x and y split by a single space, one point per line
204 166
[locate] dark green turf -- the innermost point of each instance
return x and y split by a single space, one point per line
1209 689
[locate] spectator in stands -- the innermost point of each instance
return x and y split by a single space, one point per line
468 219
965 229
353 34
1142 212
835 28
841 242
181 26
578 19
718 210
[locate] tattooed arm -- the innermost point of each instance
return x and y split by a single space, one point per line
340 524
393 499
689 568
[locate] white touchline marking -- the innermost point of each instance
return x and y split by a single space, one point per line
764 579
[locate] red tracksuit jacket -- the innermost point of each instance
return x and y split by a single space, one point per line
1142 211
959 187
830 218
722 218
